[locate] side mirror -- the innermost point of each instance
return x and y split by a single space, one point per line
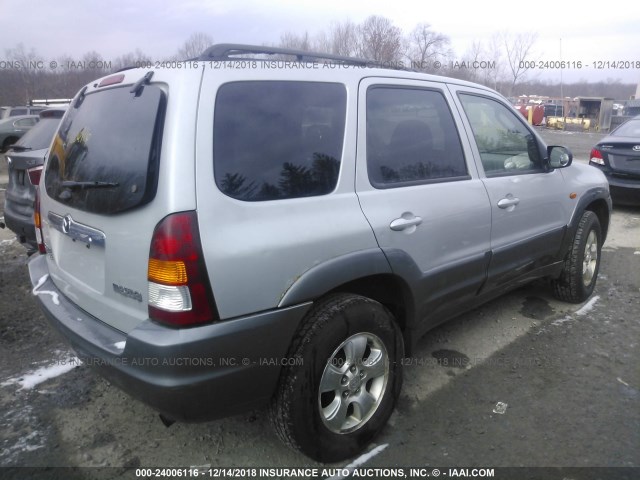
559 157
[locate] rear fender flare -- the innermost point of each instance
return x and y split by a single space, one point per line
337 271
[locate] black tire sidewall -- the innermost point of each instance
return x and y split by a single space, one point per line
357 315
590 224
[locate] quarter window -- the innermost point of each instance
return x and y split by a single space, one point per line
277 140
506 146
411 138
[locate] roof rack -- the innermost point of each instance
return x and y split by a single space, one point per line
227 51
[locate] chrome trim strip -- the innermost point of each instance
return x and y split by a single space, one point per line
77 231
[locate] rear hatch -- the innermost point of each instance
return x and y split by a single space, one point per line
624 157
98 198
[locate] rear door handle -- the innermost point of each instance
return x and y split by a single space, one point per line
407 220
508 202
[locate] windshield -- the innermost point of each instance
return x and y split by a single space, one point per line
110 139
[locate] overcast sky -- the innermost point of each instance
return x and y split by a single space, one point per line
159 28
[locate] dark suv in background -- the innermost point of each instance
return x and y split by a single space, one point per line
25 159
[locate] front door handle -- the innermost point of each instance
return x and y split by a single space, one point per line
407 221
508 202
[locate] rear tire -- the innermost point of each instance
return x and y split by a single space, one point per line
345 380
582 262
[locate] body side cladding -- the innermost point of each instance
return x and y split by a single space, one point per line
440 293
513 262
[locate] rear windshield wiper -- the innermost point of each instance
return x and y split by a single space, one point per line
20 148
72 184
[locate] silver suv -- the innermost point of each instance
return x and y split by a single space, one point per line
245 231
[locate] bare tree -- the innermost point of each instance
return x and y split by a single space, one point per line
131 59
194 46
27 74
295 41
519 49
379 40
473 54
425 45
495 74
343 39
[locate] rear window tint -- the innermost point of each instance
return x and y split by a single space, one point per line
40 136
104 158
277 140
628 129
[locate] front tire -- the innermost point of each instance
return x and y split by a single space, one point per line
345 380
582 263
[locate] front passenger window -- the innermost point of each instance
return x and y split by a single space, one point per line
506 146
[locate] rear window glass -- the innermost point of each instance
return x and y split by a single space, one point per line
629 129
277 140
104 158
40 136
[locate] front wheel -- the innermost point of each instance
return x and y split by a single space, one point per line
581 265
346 377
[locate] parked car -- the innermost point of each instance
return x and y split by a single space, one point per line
12 128
6 112
220 239
618 156
25 159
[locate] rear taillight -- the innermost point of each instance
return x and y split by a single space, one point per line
179 288
34 175
37 221
596 156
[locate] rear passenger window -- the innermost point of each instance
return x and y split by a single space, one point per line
411 138
277 140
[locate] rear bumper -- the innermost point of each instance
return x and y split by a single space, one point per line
21 225
624 192
194 374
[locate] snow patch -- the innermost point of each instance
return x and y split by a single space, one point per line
31 379
54 295
560 321
588 306
360 461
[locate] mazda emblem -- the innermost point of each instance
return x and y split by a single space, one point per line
66 223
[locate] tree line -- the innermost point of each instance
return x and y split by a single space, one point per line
501 62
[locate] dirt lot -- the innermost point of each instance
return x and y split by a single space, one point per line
568 375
